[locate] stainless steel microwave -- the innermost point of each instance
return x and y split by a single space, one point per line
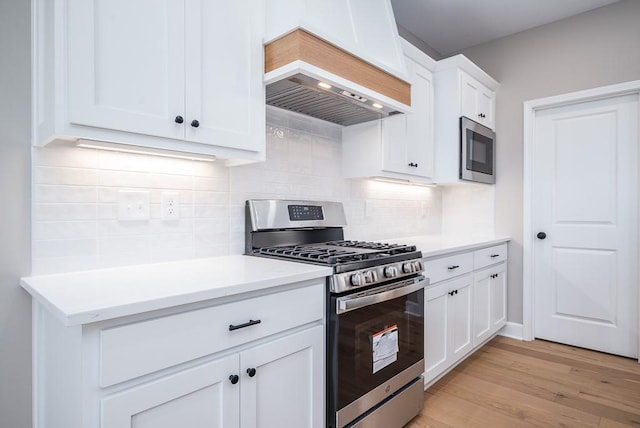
477 152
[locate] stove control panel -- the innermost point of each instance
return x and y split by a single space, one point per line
305 212
348 281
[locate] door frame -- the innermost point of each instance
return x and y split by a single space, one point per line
530 109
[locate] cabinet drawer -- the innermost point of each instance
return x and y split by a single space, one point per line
144 347
447 267
489 256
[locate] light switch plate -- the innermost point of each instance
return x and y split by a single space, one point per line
133 205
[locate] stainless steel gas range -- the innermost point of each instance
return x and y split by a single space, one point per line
375 309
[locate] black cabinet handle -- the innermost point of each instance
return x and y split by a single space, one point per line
247 324
541 235
195 123
482 115
412 164
234 378
251 372
494 255
453 267
179 119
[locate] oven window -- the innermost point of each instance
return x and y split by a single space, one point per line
360 367
479 153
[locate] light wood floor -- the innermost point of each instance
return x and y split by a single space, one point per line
510 383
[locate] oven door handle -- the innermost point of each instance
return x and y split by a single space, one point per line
348 303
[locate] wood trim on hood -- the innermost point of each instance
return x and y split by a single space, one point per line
304 46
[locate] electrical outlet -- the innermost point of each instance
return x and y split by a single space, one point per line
170 206
133 205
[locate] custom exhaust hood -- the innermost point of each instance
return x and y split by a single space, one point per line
336 60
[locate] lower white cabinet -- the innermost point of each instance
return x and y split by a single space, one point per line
465 305
197 397
236 363
447 324
490 302
276 384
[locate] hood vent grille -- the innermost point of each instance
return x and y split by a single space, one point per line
301 94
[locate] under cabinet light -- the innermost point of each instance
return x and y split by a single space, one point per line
402 181
126 148
324 85
376 105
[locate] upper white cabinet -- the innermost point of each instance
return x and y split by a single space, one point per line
175 75
477 101
461 89
400 146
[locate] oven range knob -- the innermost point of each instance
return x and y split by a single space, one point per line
369 277
357 280
408 268
390 271
418 265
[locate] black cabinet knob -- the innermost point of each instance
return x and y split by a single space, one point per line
179 119
251 372
541 235
234 378
453 267
195 123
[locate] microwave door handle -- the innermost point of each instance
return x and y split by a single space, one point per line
346 304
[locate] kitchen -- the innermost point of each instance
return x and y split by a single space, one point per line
296 147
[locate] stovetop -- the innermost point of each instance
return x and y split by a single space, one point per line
343 255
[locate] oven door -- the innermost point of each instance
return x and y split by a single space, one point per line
376 346
477 152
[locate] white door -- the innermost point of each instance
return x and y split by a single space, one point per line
585 192
282 382
201 397
126 65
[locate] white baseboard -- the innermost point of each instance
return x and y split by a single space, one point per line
512 330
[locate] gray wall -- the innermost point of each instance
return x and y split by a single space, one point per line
596 48
15 221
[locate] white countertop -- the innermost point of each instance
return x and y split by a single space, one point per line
436 245
89 296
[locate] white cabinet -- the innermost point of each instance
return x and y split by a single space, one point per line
477 101
197 397
465 305
461 89
448 320
490 293
256 387
243 363
169 75
400 146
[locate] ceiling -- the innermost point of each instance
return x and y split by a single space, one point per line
449 26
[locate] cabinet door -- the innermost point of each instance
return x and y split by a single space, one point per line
201 397
287 388
224 71
459 312
490 302
499 298
486 107
408 138
435 331
481 307
126 65
469 96
477 101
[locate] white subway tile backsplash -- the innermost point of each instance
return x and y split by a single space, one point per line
75 196
63 194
